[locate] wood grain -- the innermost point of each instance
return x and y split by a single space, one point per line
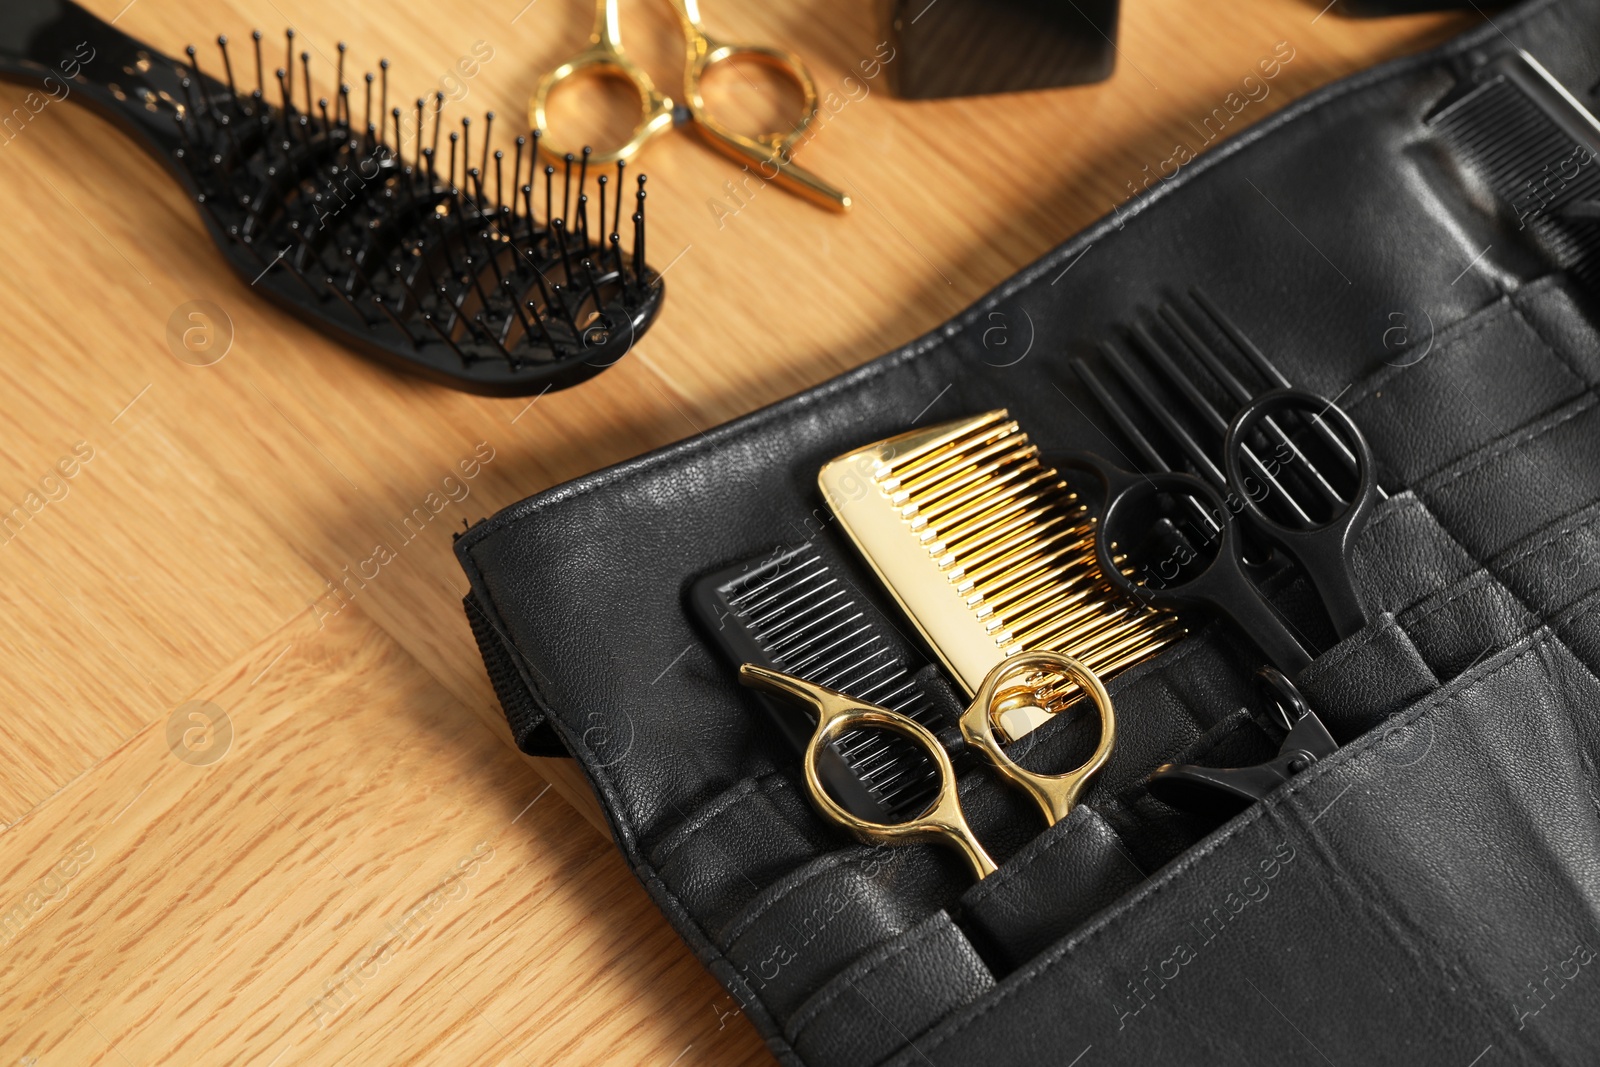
370 872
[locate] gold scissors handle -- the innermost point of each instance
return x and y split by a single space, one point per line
1056 794
1016 678
604 53
770 153
837 714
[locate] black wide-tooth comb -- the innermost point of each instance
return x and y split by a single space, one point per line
1537 148
789 612
414 258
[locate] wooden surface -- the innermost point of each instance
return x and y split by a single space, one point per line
366 871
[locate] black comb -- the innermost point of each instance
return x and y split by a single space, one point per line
1521 132
790 612
1173 380
1191 369
437 264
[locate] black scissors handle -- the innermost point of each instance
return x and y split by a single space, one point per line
1321 548
1171 559
1223 790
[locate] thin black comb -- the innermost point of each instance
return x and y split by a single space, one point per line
791 612
1538 149
327 200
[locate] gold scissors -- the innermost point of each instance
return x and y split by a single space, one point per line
1012 682
769 153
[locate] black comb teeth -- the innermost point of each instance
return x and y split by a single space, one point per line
432 257
815 630
1538 150
790 612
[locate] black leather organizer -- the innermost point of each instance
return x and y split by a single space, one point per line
1429 894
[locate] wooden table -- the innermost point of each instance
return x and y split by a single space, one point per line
353 865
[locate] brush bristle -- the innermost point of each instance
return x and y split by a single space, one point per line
427 255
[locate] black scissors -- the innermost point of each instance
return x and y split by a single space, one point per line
1171 538
1226 790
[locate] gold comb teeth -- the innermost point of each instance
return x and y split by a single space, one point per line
988 552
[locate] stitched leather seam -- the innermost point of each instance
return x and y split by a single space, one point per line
1338 654
797 1026
1580 608
1557 622
1245 723
1480 577
1358 750
1566 363
1491 571
708 952
622 825
1405 506
686 831
1379 379
1515 440
826 863
1468 585
1492 314
1573 527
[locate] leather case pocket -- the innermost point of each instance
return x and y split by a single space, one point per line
1444 396
1064 876
1163 707
1521 482
808 926
1366 677
1556 574
890 996
1477 801
1454 609
744 839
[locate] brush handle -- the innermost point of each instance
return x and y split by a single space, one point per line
64 53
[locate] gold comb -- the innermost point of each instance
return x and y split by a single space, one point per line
989 553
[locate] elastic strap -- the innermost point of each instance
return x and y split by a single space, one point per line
529 725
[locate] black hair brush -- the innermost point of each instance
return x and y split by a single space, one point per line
414 257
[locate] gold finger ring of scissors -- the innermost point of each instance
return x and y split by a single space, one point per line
943 820
771 154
